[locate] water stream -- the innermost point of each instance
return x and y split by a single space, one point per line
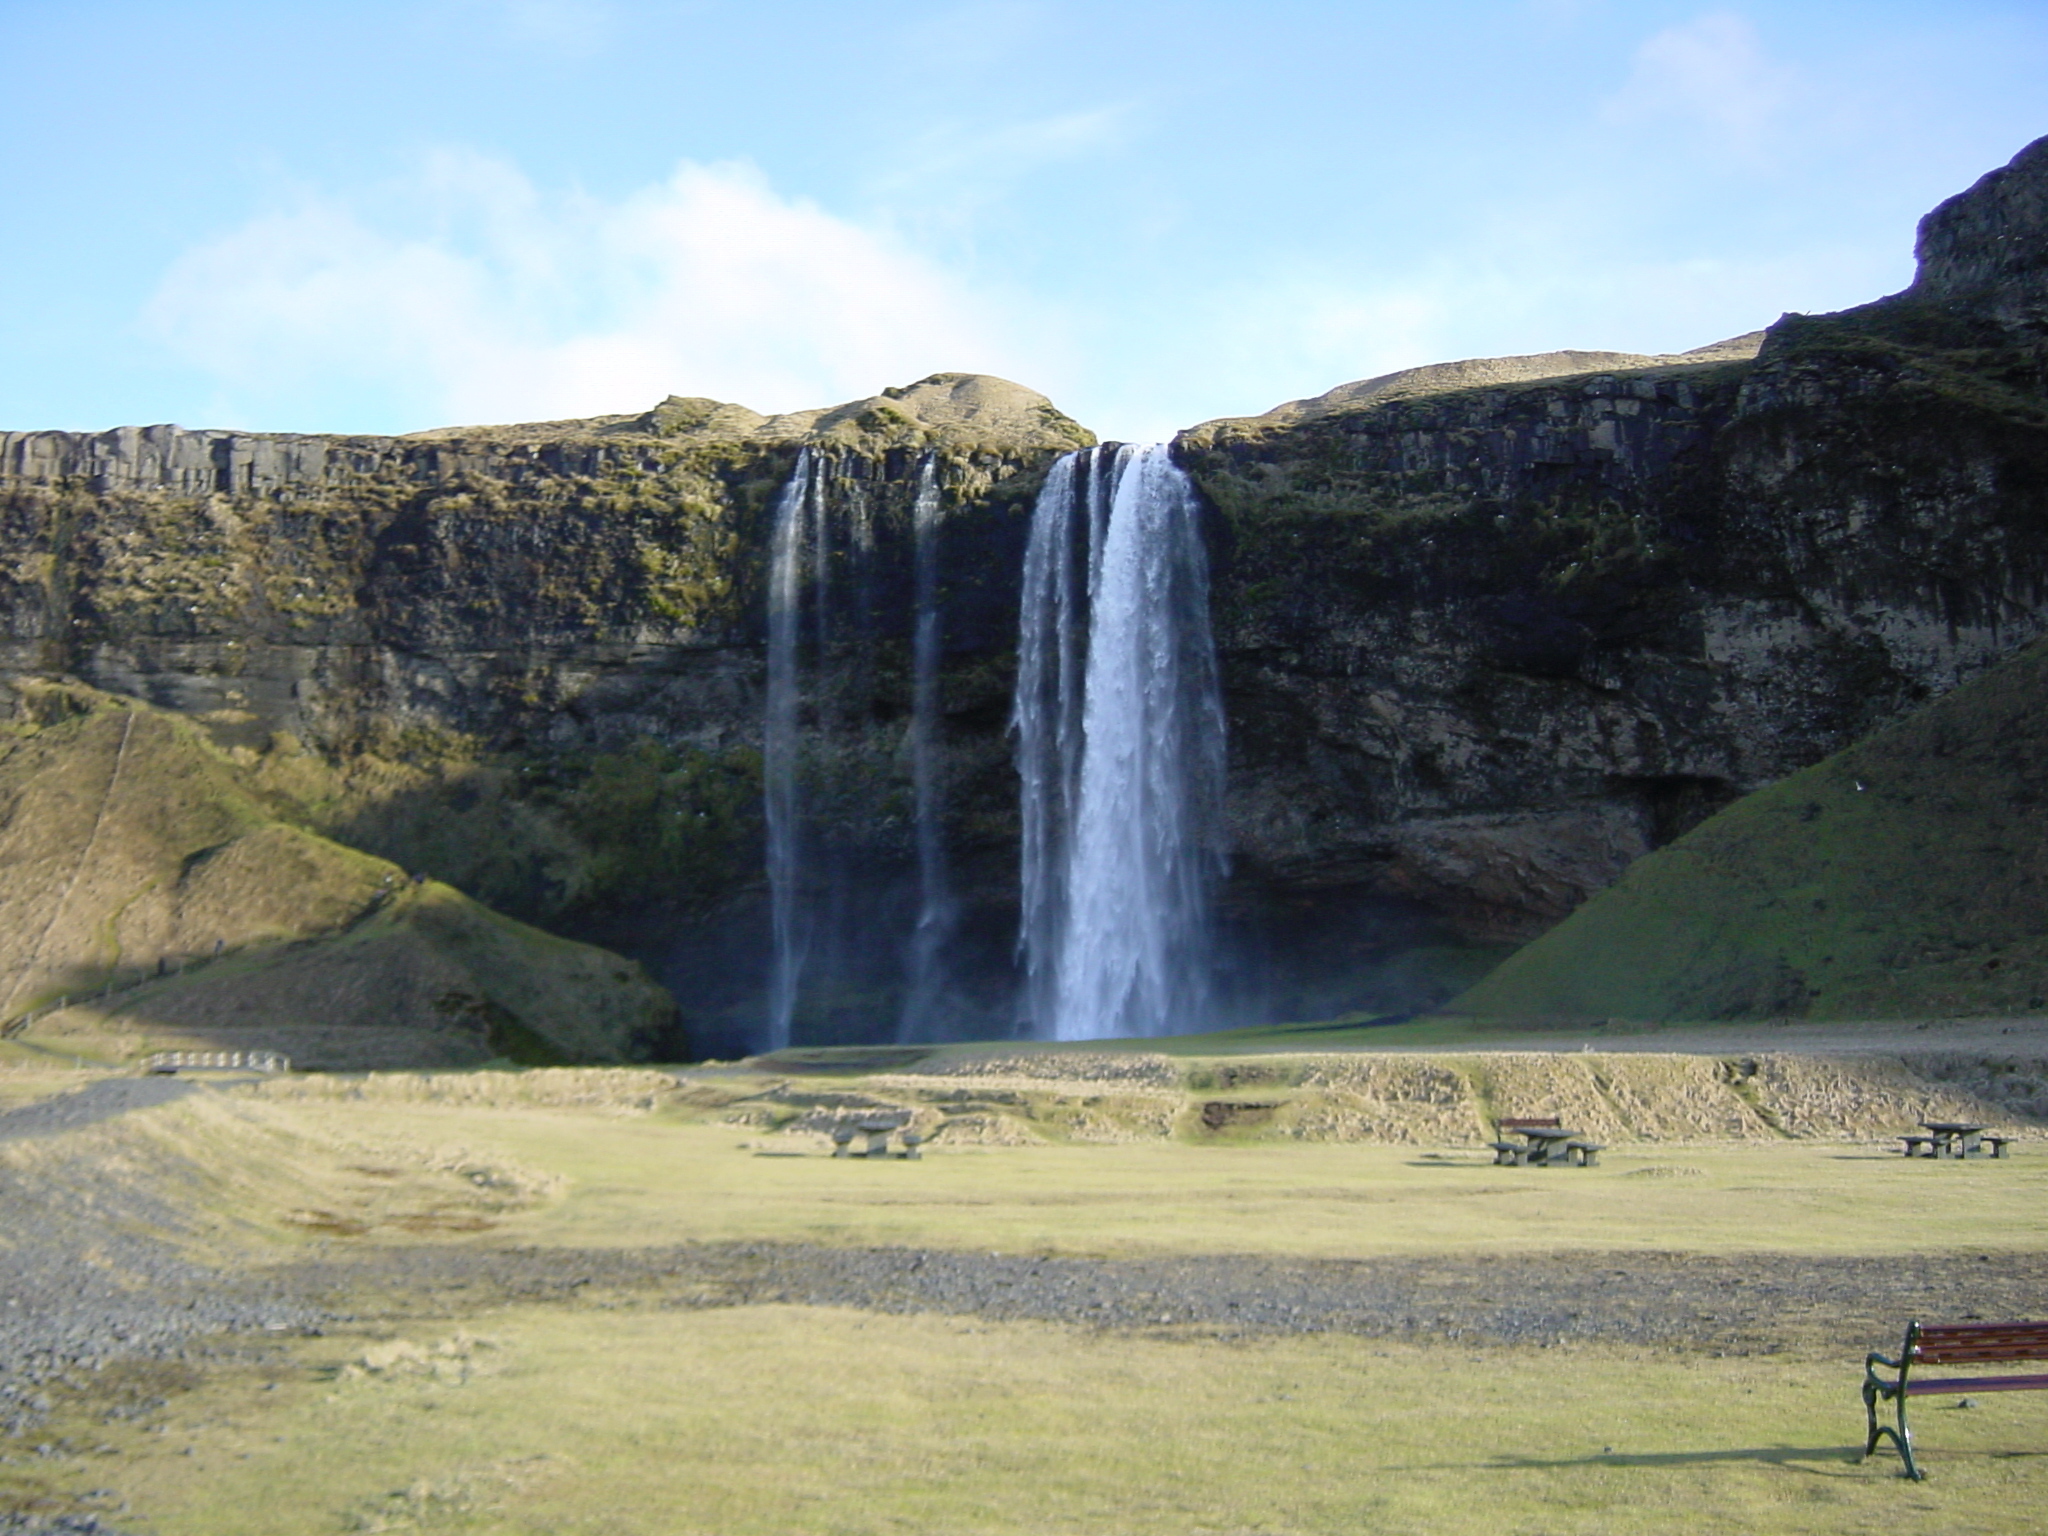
937 915
780 740
1119 727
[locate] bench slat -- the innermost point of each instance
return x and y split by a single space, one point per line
1979 1356
1918 1387
1955 1344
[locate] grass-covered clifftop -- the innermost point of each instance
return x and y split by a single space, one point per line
1905 876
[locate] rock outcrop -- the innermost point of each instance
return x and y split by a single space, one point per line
1489 636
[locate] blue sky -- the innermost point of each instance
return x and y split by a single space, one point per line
384 216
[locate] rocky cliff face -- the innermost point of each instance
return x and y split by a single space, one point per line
572 584
529 660
1490 630
1488 642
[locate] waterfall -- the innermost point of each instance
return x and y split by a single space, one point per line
1119 726
799 503
936 910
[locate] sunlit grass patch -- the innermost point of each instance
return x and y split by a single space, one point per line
663 1179
781 1419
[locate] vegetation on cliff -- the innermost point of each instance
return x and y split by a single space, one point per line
156 898
1905 876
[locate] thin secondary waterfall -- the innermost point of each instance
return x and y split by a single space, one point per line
1119 724
936 910
794 510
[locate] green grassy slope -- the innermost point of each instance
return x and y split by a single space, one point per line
1906 875
154 899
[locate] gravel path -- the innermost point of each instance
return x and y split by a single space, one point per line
1742 1304
99 1275
103 1100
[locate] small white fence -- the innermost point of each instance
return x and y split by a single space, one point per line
217 1061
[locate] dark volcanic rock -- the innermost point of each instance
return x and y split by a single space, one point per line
1488 642
529 660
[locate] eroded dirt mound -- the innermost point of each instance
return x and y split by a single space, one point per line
1451 1099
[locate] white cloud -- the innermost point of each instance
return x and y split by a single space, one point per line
465 293
1712 70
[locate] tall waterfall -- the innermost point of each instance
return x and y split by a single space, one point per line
1119 724
936 914
799 503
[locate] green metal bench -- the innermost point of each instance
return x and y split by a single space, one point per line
1948 1344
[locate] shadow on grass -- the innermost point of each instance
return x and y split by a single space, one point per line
1815 1460
1768 1455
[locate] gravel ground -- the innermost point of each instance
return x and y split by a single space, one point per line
102 1100
1744 1304
100 1276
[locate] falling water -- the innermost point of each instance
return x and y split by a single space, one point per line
793 510
1119 727
936 909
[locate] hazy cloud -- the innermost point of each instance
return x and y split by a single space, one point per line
465 293
963 168
972 37
1712 70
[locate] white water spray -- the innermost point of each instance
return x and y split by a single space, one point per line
937 912
1119 725
800 499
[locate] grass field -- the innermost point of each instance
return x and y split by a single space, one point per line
774 1419
623 1412
654 1180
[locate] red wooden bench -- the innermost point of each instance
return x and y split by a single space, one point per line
1948 1344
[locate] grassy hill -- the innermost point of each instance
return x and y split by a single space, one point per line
154 897
1907 875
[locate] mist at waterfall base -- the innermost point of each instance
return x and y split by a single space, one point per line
993 773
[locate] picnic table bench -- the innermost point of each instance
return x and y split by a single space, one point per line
1947 1138
877 1132
1544 1142
1947 1344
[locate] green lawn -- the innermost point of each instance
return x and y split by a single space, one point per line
779 1419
